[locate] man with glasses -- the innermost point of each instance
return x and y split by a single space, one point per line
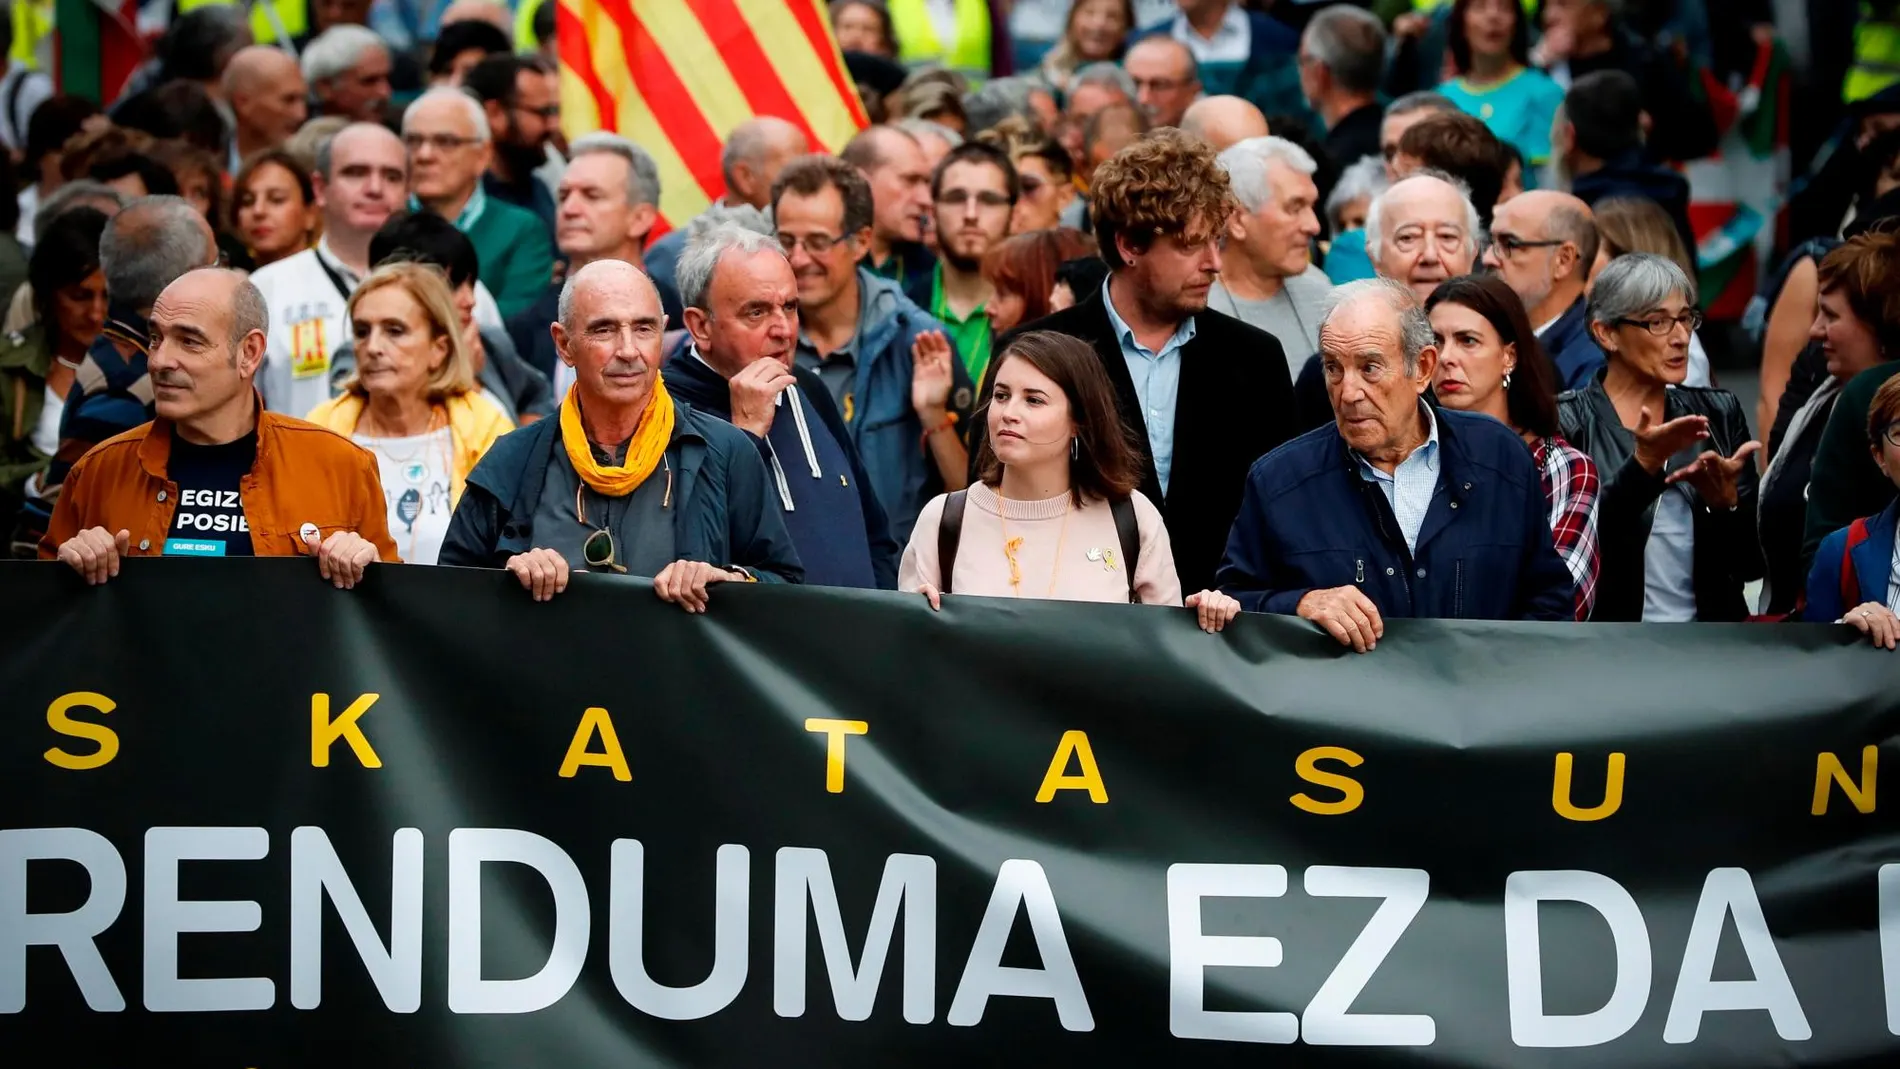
1045 176
625 480
446 132
1205 394
742 313
1239 52
1166 78
975 190
886 363
1422 231
523 105
1543 244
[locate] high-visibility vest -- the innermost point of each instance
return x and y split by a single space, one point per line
32 33
1876 56
293 18
917 41
524 24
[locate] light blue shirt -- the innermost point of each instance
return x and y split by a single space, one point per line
1409 487
477 203
1157 383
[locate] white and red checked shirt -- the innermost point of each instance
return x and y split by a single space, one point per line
1571 485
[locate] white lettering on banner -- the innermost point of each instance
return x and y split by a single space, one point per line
316 871
469 849
1725 893
909 881
626 942
1020 882
1889 942
1524 892
1326 1021
1191 953
73 933
166 918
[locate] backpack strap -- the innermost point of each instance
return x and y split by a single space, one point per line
1850 583
949 536
1128 530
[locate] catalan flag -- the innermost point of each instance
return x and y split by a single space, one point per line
676 76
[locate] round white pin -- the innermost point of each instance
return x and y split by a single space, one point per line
307 531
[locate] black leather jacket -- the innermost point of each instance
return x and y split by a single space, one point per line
1727 555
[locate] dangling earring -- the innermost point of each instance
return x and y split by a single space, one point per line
1507 380
1075 447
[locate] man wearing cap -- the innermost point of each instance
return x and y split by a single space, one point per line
214 474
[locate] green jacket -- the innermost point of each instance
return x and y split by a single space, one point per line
1845 483
517 258
24 360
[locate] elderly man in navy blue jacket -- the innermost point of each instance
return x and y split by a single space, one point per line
1396 509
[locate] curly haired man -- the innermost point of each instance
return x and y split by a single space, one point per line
1203 393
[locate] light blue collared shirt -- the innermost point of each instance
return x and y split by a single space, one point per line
1409 488
477 203
1157 383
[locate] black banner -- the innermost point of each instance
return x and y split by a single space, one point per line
248 820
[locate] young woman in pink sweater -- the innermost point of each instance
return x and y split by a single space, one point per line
1040 520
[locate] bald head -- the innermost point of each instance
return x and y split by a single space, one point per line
224 292
150 244
268 96
616 281
1224 121
257 65
1422 231
1543 244
1166 78
480 11
755 152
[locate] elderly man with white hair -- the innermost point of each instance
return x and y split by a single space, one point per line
1396 509
1423 230
347 67
626 480
1267 277
446 133
742 315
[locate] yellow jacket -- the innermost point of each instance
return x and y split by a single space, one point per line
474 424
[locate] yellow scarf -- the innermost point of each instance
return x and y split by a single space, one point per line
649 443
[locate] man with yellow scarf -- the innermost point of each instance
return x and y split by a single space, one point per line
627 480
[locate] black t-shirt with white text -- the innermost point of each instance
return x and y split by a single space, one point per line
209 521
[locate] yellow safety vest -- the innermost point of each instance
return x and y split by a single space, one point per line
1876 57
32 26
917 36
524 24
293 17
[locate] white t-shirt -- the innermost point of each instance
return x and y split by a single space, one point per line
1669 561
46 431
417 479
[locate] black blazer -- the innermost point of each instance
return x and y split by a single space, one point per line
1235 406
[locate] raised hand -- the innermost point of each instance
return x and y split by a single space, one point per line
1657 442
1713 475
754 391
931 376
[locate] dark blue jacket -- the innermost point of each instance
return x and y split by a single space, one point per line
842 536
725 514
1270 78
1634 175
1577 355
1871 561
1310 521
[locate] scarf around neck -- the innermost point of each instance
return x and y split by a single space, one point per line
650 439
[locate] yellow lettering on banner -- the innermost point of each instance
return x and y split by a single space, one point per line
1089 778
1828 770
105 737
834 732
1352 792
1612 790
324 732
595 721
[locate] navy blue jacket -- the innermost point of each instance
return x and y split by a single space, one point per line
822 542
1634 175
1310 521
1577 355
725 516
1871 561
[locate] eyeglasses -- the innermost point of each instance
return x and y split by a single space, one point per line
1031 185
988 198
1660 326
546 111
815 244
1160 85
438 142
1511 244
1891 434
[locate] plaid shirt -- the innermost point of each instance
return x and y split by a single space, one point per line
1570 486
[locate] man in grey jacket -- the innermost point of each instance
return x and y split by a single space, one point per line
1267 275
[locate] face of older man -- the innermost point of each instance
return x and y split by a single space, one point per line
1516 252
1276 237
1164 79
195 366
1390 131
900 189
1425 235
752 312
1375 400
369 173
447 153
611 337
360 93
594 217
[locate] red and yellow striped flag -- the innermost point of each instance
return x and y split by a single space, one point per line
676 76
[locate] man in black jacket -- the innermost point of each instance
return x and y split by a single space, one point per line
1204 394
742 314
1598 143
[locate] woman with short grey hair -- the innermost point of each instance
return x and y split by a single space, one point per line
1676 517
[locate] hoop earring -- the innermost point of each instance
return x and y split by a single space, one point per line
1075 447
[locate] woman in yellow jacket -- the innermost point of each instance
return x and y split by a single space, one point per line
412 401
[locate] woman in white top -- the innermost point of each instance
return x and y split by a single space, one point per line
1053 471
412 400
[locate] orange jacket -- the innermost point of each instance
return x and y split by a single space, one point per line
303 474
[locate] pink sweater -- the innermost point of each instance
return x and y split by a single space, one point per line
1066 553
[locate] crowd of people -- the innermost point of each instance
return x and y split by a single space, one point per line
1349 311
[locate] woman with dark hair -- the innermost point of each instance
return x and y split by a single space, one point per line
863 26
1490 49
276 210
1023 270
1054 512
1096 31
37 365
1489 362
